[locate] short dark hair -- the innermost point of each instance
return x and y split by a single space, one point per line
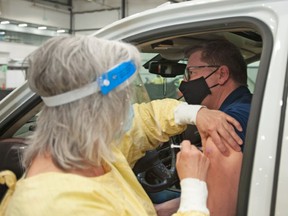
223 52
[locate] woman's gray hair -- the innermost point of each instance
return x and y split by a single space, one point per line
78 134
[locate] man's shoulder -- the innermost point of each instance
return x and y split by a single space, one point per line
240 99
238 106
239 110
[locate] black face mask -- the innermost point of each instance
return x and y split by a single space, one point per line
194 91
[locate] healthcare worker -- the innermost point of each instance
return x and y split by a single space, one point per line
88 136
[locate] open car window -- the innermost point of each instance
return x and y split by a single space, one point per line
164 61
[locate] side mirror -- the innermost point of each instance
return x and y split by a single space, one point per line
167 69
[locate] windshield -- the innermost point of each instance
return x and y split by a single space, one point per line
159 87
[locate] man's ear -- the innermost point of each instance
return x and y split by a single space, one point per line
224 74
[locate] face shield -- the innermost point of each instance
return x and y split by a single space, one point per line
115 77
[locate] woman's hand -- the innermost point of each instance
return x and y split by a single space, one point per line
191 163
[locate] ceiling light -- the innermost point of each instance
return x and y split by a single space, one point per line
22 25
42 27
60 31
5 22
2 33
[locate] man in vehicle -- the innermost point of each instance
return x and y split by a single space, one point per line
216 77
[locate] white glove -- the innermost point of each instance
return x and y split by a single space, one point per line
186 114
193 195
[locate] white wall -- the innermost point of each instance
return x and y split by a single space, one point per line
100 19
30 12
35 13
90 22
138 5
16 52
26 11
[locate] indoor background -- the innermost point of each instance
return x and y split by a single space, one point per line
25 24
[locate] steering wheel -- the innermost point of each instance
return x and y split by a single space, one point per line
156 171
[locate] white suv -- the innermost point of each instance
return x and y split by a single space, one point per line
259 29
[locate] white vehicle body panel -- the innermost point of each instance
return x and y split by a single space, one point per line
282 191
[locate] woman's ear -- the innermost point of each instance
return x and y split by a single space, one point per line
224 74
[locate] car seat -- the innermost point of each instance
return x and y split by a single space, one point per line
10 153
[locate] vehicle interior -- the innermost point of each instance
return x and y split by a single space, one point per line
162 73
164 64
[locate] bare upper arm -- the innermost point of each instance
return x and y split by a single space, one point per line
222 179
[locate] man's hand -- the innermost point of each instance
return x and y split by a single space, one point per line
219 126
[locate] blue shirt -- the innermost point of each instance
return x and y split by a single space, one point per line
238 105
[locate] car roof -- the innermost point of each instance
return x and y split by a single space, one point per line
247 39
173 13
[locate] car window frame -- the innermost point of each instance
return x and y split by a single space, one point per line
253 122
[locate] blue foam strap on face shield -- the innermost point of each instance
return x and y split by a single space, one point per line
116 76
105 83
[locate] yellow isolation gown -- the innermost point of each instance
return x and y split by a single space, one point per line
117 192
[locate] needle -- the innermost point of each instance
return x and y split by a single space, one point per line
175 146
179 146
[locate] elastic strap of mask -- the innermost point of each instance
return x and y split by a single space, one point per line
211 73
105 83
214 86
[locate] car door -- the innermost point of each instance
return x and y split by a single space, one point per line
261 24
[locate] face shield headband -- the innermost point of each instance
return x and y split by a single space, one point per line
104 84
